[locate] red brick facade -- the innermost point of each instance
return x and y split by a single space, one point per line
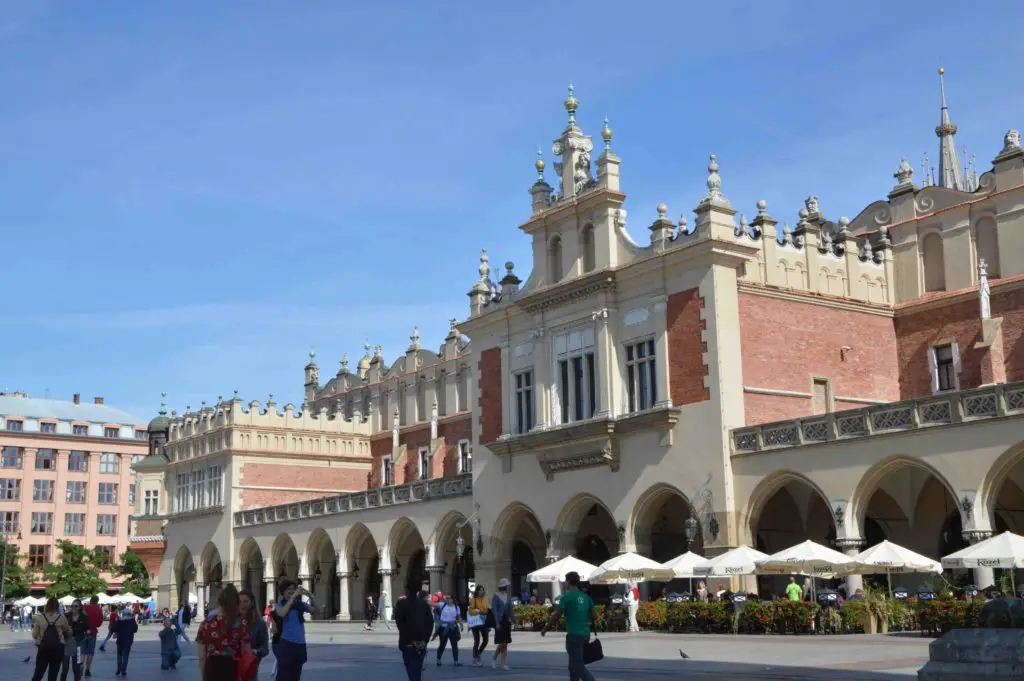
332 476
445 462
451 432
920 325
788 343
490 395
151 553
686 368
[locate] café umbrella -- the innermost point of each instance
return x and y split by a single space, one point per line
684 565
805 558
557 571
889 558
631 568
1004 550
738 561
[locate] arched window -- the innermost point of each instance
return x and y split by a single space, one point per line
555 260
987 245
934 264
587 247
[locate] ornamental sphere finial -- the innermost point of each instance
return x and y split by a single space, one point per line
571 103
539 163
941 71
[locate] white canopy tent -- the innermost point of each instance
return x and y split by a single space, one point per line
104 599
806 558
889 558
127 598
684 565
738 561
1004 550
631 568
557 571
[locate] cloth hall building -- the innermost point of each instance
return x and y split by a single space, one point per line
843 380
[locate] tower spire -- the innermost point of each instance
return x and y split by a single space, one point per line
949 163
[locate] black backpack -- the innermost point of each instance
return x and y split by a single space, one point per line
186 617
50 642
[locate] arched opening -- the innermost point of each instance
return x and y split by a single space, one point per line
1007 507
362 565
185 575
284 561
662 530
789 509
213 576
521 547
459 570
933 262
987 245
555 260
588 248
586 525
407 554
251 569
323 573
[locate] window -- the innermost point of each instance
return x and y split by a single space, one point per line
76 492
14 425
11 457
47 427
577 377
140 435
131 495
10 522
42 522
110 463
215 486
555 260
106 524
38 556
152 502
587 246
944 361
641 381
821 397
108 492
465 457
425 463
46 459
106 554
10 489
74 524
934 263
79 430
78 462
524 401
111 432
42 490
387 473
181 493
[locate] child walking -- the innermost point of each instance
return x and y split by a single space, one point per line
125 629
170 653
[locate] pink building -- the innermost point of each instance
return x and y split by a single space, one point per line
66 473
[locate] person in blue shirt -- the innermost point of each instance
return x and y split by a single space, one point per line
124 629
170 653
290 643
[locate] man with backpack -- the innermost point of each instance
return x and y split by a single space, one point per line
184 619
50 633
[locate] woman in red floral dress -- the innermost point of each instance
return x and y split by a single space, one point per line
223 637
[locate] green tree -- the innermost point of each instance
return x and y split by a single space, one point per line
132 567
77 573
15 579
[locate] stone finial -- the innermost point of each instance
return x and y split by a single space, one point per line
539 165
312 355
904 173
378 352
683 229
662 210
485 266
344 363
762 208
571 104
606 135
743 227
787 234
234 397
414 339
270 399
714 179
163 404
984 291
174 413
1011 140
844 226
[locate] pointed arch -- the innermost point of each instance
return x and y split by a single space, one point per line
992 484
657 525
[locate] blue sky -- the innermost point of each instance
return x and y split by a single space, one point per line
192 194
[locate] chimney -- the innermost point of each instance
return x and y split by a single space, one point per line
77 398
97 400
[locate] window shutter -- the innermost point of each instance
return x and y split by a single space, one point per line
956 362
933 370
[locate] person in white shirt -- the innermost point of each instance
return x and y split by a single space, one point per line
450 626
633 605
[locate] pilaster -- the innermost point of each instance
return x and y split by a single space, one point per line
506 384
604 351
344 609
851 546
661 374
983 576
541 375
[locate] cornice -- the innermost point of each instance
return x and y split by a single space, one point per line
964 295
567 292
847 305
578 204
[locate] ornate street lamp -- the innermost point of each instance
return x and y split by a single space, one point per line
318 575
460 547
691 527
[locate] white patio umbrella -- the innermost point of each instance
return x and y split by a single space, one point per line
806 558
738 561
684 565
104 599
889 558
66 601
127 598
631 568
557 571
1004 550
36 602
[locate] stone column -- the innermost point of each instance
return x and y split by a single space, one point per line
436 573
983 576
271 590
344 613
385 585
200 599
556 587
851 546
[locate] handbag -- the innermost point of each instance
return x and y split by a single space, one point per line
246 666
593 651
474 621
489 620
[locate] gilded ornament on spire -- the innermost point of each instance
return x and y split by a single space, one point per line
606 135
539 165
571 104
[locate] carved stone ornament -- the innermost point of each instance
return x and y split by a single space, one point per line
636 316
601 453
904 173
1011 140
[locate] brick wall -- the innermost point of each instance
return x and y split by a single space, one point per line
490 395
686 368
445 458
151 553
336 479
787 342
918 329
451 433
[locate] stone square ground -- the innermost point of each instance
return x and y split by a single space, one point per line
344 651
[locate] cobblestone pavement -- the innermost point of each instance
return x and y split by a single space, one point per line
344 651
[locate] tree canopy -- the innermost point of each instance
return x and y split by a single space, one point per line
16 584
132 567
77 572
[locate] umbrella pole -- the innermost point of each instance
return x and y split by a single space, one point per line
888 578
1013 582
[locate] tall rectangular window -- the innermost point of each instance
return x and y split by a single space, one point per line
78 462
641 381
74 524
10 457
821 399
79 429
465 457
106 524
110 462
42 490
152 502
76 492
215 486
426 460
46 459
131 495
10 489
42 522
524 401
45 427
575 375
387 471
107 492
106 554
38 556
945 367
10 522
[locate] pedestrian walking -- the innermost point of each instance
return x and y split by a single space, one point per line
580 612
50 633
451 630
124 629
111 621
633 606
415 623
73 650
371 612
222 638
259 637
504 617
477 620
290 650
94 613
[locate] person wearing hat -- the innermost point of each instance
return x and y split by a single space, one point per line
504 617
124 629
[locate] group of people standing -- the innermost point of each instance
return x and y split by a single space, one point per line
66 641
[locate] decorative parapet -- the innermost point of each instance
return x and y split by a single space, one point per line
965 406
426 490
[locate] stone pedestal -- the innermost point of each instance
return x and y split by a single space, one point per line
975 654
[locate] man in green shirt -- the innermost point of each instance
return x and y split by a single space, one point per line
793 591
579 612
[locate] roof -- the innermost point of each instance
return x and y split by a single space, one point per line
33 407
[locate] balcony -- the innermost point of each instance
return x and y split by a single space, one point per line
426 490
946 409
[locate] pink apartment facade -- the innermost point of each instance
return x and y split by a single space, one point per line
66 473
